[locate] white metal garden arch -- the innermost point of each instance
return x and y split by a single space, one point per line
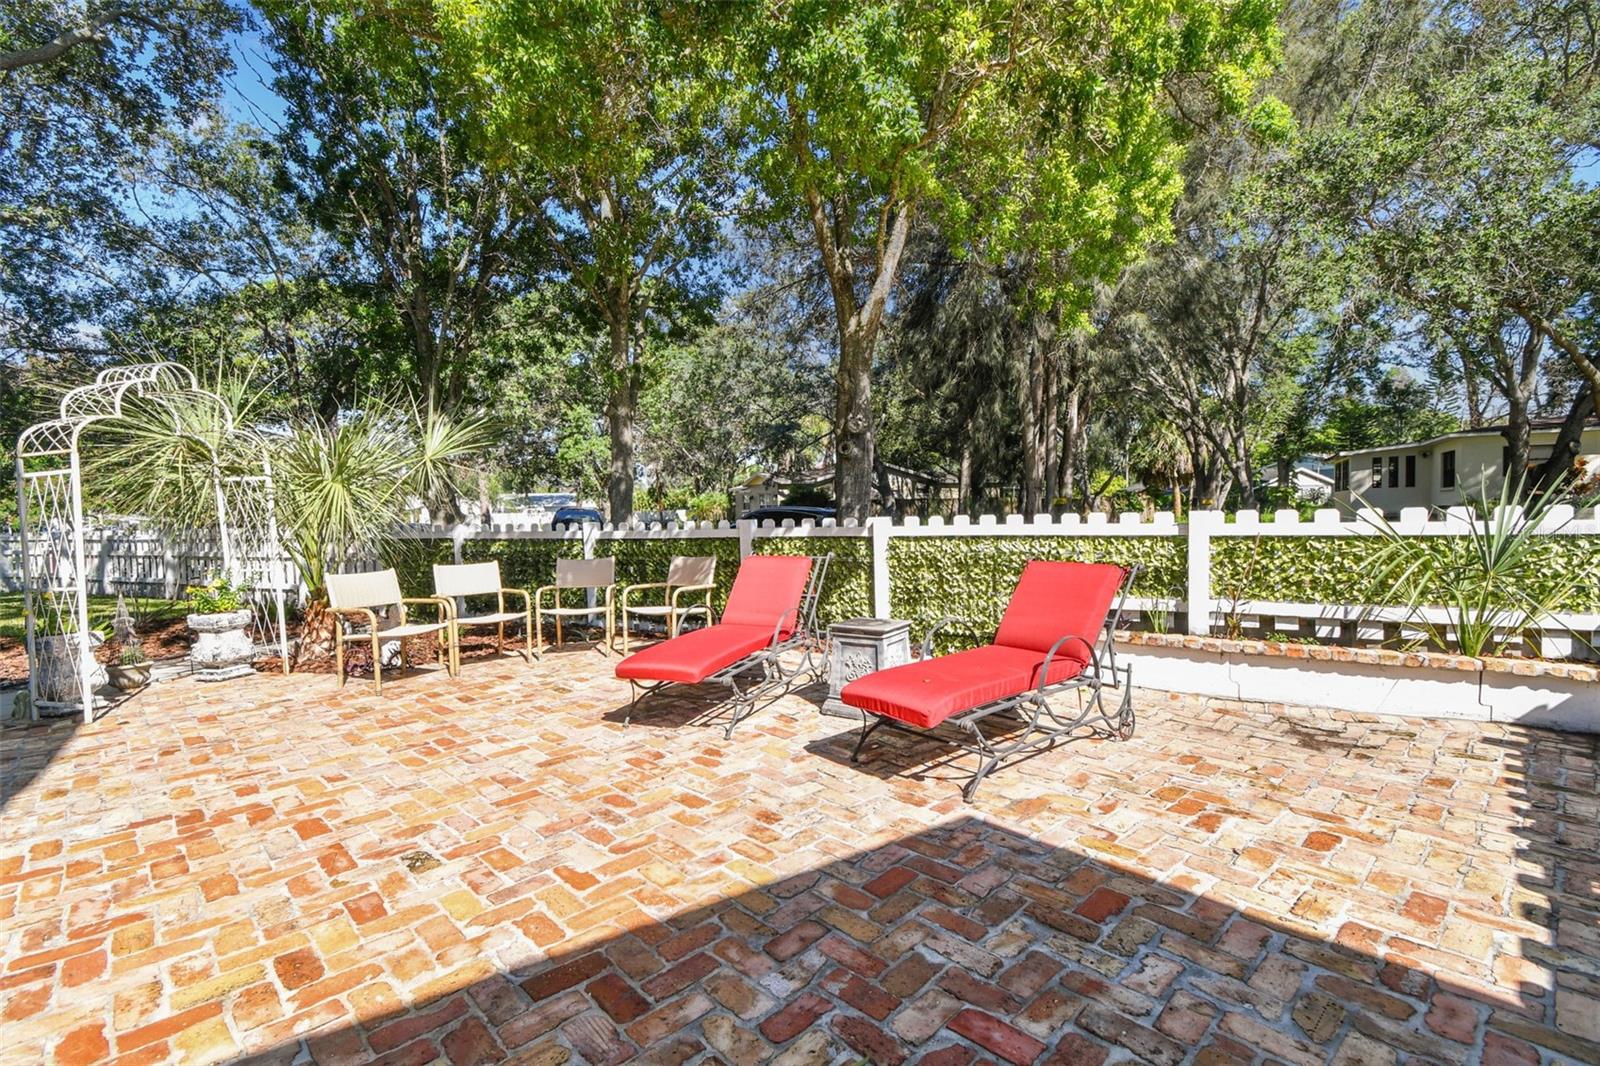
55 575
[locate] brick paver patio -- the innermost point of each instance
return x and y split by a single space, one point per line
495 869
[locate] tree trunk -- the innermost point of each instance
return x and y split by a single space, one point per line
852 426
1050 435
620 407
1032 404
964 478
1066 467
1568 444
1515 433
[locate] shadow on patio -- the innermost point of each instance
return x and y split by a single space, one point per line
27 748
969 940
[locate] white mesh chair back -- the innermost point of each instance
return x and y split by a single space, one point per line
466 579
586 573
692 570
379 588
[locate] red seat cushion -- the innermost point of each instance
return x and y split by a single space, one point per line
768 588
1055 599
926 693
692 657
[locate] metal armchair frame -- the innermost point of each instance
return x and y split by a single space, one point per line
1042 725
773 678
607 607
672 593
372 593
456 582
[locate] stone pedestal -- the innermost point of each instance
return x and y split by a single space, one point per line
861 646
223 647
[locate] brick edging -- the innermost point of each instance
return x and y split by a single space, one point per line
1364 656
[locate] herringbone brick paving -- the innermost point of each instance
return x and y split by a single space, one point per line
496 870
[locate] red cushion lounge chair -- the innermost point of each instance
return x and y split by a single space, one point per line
1055 636
771 610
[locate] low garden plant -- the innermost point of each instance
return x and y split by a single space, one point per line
1490 582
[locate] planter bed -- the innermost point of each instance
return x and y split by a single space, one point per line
1536 692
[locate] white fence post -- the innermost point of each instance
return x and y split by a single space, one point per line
457 535
878 530
747 536
1200 525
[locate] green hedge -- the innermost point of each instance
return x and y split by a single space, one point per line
847 592
1341 569
641 562
413 561
973 577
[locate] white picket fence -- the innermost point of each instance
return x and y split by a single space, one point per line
135 561
1202 610
140 561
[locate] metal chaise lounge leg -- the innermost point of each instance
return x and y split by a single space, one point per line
1056 638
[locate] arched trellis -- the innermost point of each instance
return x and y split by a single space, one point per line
54 567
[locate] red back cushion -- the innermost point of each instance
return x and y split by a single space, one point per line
766 588
1056 599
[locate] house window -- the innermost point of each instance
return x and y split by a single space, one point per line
1447 470
1377 472
1411 471
1394 471
1341 476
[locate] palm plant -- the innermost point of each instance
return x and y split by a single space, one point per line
1490 581
341 488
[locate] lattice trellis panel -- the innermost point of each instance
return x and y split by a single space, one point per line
244 544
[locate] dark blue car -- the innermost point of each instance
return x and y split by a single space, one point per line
576 516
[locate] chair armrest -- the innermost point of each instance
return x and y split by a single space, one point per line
681 589
698 608
447 610
340 613
777 627
1093 664
629 590
527 602
538 595
947 620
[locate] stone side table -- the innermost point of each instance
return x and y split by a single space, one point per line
859 647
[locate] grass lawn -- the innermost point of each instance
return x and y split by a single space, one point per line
146 612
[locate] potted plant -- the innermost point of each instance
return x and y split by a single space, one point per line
131 671
220 622
58 643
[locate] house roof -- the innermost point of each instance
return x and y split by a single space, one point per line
1541 425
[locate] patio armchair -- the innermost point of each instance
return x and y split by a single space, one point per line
368 607
687 575
596 575
771 612
458 582
1055 637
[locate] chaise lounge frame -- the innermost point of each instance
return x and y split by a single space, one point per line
1042 725
775 679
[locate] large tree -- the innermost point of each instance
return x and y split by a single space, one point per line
386 160
1040 130
611 105
1449 191
86 91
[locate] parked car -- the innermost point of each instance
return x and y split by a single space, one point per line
779 512
576 516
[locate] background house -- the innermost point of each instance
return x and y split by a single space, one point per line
1443 471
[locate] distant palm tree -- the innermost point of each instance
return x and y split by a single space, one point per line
1159 455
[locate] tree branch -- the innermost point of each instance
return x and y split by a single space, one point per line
64 42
